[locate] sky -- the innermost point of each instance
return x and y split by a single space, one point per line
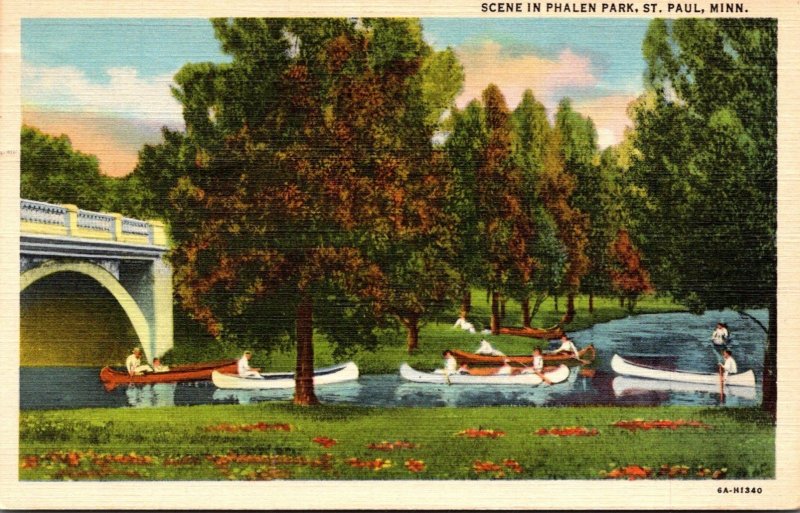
106 82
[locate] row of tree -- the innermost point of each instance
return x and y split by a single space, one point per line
307 192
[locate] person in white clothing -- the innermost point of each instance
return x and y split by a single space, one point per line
505 369
720 335
464 325
728 366
537 367
134 363
568 346
158 366
245 370
487 349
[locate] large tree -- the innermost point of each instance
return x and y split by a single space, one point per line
464 149
504 224
310 148
706 137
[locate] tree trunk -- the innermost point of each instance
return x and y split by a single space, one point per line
304 372
622 301
555 302
591 302
537 304
769 401
495 323
503 309
412 326
570 313
466 303
526 312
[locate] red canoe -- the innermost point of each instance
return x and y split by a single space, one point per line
112 378
543 333
462 357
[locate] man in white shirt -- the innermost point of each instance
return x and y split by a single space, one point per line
568 346
720 335
729 365
134 363
244 368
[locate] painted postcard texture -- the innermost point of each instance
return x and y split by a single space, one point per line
453 257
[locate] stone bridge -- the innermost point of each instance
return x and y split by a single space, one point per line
125 256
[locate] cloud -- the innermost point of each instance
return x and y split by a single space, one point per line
125 94
111 120
550 79
610 116
113 140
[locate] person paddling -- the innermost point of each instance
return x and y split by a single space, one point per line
568 346
244 368
537 366
728 366
720 336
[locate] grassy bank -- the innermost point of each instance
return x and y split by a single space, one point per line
279 440
434 337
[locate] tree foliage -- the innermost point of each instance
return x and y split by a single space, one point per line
706 139
52 171
315 198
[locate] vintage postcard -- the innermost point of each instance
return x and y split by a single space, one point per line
363 255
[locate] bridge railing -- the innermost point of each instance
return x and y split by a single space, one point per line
69 220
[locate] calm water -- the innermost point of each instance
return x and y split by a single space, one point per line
678 340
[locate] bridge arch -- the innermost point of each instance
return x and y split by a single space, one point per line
107 281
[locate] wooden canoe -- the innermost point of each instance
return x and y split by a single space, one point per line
272 380
626 368
556 375
112 378
543 333
462 357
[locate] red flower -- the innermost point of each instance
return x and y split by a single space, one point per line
324 441
568 431
415 465
481 433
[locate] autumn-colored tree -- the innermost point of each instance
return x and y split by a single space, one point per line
309 147
629 279
555 187
578 147
503 220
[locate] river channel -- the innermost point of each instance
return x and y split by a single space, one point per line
673 340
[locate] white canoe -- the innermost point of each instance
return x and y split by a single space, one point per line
626 368
558 375
626 385
325 376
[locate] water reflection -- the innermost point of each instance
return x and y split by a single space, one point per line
335 393
157 394
626 386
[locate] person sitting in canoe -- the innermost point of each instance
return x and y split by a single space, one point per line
567 347
729 365
450 364
244 368
158 366
134 363
537 366
505 369
487 349
720 336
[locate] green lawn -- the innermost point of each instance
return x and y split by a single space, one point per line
177 444
434 336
